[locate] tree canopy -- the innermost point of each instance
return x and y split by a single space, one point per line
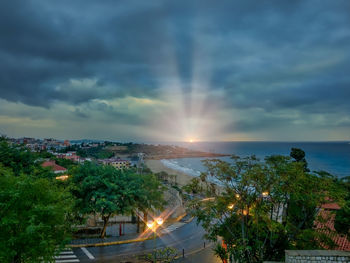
261 208
107 191
35 211
33 221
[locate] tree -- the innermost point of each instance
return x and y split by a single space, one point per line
149 194
299 156
20 160
342 218
221 252
107 191
194 187
34 218
103 190
263 207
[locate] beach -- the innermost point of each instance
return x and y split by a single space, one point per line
157 166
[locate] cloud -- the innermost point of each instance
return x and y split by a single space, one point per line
276 63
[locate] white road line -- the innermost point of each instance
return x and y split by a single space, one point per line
65 256
66 252
67 261
90 256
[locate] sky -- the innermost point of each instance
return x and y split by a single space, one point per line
181 70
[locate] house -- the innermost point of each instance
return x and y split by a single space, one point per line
116 163
57 169
327 213
70 156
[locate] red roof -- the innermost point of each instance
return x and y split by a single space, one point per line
327 227
331 206
54 166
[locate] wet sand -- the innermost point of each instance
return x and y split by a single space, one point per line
156 166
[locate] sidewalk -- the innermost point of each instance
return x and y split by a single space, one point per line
104 240
204 256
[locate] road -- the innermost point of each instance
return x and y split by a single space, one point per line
188 237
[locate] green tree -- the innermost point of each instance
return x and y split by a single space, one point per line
18 158
262 208
106 191
221 252
34 218
148 194
342 218
299 156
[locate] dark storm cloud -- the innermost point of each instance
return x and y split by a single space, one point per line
271 55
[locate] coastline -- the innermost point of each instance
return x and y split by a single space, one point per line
157 166
185 155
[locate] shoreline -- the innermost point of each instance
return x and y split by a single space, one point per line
184 155
157 166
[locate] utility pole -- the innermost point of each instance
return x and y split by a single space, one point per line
140 163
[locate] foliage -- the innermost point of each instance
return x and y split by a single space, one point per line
162 255
299 156
66 163
221 252
98 152
167 178
20 160
342 218
107 191
34 218
194 187
263 207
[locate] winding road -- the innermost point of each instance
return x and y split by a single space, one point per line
188 237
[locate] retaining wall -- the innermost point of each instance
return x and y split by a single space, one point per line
315 256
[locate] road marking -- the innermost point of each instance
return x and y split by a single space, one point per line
90 256
172 227
65 256
67 261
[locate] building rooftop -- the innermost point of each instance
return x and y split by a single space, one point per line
55 167
328 215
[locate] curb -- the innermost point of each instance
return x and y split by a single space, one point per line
121 241
111 243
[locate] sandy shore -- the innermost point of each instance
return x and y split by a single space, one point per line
156 166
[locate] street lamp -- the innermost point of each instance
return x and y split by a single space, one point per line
150 224
153 226
265 194
160 221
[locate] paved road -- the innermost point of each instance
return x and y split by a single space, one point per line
188 237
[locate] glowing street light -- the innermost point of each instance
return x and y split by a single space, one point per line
159 221
230 206
150 224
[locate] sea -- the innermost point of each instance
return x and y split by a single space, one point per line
333 157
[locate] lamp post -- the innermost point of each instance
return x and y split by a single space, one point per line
153 225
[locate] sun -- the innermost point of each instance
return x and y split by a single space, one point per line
191 140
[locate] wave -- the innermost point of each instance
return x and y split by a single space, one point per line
172 164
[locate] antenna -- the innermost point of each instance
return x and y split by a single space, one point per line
140 163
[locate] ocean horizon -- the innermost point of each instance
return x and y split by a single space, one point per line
329 156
